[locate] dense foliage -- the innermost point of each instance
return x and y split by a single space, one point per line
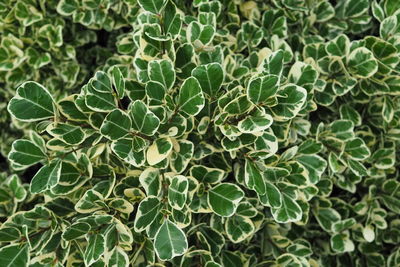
200 133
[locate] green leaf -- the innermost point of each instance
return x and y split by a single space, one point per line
290 211
377 11
8 234
326 217
238 105
151 181
388 109
121 205
207 175
61 206
130 150
310 147
37 60
267 143
75 231
32 102
17 189
159 150
224 198
214 238
273 64
67 7
246 209
46 178
25 153
100 101
175 126
291 99
286 258
180 159
384 158
238 228
343 225
303 75
117 257
191 99
200 35
147 212
141 67
212 264
116 125
162 71
231 145
101 82
15 255
143 120
262 88
177 192
153 6
254 178
362 63
155 92
69 134
294 5
392 203
69 109
314 164
89 202
324 11
341 243
274 25
210 77
356 167
118 81
347 112
250 35
354 8
170 241
300 250
27 14
273 197
230 258
391 6
342 129
257 122
95 248
339 47
172 20
356 149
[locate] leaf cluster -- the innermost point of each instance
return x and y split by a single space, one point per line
210 133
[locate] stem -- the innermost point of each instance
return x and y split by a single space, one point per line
243 116
174 113
79 247
56 115
164 187
161 17
395 190
134 258
142 136
332 148
23 238
344 68
117 97
119 103
73 150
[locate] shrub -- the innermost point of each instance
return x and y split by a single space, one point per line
210 133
